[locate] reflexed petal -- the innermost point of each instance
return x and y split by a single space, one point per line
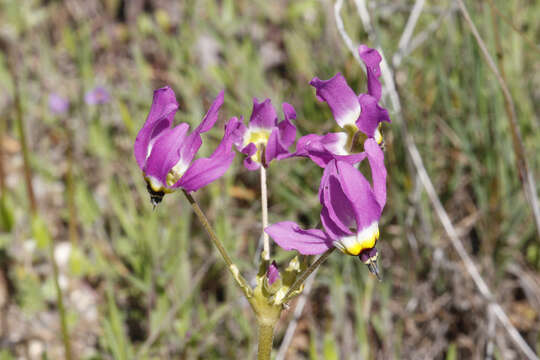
322 149
165 153
360 194
289 236
159 118
212 115
378 171
205 170
250 150
193 141
340 97
287 131
263 115
330 227
372 59
273 147
251 165
372 115
340 207
238 135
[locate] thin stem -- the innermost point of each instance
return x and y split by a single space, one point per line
266 340
224 254
309 270
22 135
70 184
264 205
2 173
60 303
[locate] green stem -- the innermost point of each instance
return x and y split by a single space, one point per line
22 135
266 340
309 270
60 303
248 292
70 184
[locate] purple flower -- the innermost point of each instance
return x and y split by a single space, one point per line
165 153
351 209
97 96
264 139
57 104
360 116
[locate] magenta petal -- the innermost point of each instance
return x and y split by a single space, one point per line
206 170
287 131
360 194
322 149
340 98
372 59
372 114
339 208
378 171
159 118
289 236
249 150
263 115
193 141
212 115
238 135
165 153
330 227
273 147
251 165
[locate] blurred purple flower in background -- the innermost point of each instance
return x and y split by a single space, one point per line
58 104
97 96
351 209
264 131
165 153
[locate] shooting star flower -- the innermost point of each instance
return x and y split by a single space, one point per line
351 209
266 139
165 153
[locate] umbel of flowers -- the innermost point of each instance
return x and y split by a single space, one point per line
351 206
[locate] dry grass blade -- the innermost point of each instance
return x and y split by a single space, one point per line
525 176
408 31
414 154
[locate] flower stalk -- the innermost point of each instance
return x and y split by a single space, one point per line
241 281
264 205
266 340
298 283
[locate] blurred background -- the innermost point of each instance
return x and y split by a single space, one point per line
76 82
